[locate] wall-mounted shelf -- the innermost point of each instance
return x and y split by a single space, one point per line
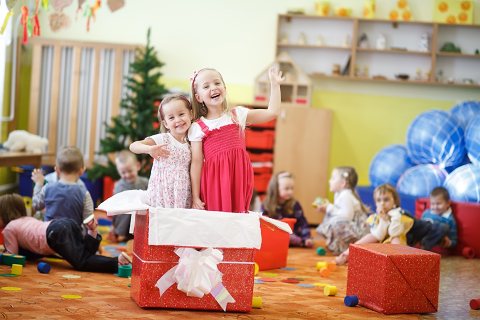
317 43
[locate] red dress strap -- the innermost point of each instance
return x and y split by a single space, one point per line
203 126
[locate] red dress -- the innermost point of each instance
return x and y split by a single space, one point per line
227 174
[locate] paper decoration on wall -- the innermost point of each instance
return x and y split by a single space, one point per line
453 11
322 8
59 20
59 5
90 9
401 11
31 25
5 15
369 9
115 5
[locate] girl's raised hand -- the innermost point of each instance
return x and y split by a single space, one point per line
159 151
275 75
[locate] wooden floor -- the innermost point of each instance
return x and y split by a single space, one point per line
105 296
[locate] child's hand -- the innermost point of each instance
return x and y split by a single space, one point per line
275 75
198 204
322 208
308 243
92 225
38 177
383 214
159 151
446 243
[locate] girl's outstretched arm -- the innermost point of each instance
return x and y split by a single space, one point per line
195 174
264 115
149 146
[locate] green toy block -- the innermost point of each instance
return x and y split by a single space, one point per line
9 259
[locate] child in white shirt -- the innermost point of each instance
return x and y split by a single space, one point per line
344 220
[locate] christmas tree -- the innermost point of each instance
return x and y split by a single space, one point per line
137 118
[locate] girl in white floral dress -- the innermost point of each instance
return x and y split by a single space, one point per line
169 185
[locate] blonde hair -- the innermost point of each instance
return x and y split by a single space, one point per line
349 174
200 109
387 188
271 199
124 156
70 160
169 98
12 207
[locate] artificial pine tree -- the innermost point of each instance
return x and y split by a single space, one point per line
137 113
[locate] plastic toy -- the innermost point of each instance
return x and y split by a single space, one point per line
350 301
43 267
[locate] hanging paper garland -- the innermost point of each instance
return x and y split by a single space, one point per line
91 10
24 22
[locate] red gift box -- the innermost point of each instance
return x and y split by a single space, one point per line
391 278
151 262
274 250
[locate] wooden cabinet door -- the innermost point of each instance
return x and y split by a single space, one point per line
302 147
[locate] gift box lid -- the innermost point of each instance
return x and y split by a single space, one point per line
190 227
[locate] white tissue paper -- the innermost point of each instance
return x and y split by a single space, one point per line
191 227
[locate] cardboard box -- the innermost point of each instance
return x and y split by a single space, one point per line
273 253
392 279
191 259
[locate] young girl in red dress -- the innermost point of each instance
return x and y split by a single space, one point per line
221 172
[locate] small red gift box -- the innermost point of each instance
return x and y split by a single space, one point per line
391 278
150 262
274 250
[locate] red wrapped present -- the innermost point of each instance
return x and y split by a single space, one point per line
391 278
191 259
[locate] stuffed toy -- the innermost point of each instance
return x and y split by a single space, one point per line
19 140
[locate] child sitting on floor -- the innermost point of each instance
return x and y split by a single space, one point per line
437 225
62 235
279 203
127 167
389 224
65 198
344 220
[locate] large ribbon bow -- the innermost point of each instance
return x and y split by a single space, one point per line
197 274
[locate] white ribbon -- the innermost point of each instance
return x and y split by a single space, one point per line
197 274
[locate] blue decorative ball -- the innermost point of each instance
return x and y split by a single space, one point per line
435 137
472 140
420 180
463 184
388 165
465 111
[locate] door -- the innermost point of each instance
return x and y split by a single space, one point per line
302 147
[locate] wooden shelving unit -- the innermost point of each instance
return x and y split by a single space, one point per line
334 40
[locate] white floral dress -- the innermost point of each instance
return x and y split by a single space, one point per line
169 185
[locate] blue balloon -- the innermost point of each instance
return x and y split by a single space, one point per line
465 111
420 180
472 140
463 184
435 137
388 165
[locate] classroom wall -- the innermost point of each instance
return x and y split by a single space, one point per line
238 38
